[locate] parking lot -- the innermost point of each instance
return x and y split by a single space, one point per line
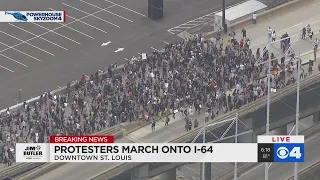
23 45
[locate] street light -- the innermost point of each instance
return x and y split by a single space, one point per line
297 111
266 167
224 16
203 141
19 96
286 53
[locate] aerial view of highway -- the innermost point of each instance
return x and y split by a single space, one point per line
160 71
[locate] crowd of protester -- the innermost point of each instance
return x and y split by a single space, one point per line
194 73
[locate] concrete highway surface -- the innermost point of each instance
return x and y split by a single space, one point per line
38 58
291 22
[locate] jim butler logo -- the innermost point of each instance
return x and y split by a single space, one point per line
32 151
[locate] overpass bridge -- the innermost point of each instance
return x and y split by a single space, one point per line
253 118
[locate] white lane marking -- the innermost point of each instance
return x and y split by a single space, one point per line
180 27
11 47
139 53
106 43
199 19
180 174
27 43
186 25
263 163
126 8
165 42
314 22
6 68
78 31
216 168
126 59
14 60
312 137
195 178
107 11
303 124
57 33
91 15
39 37
154 48
119 49
292 27
252 169
78 20
21 52
175 30
186 166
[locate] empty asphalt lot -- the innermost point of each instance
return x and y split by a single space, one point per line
40 57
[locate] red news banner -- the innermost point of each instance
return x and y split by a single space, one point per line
81 139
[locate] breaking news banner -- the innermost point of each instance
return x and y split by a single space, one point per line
33 16
281 148
153 152
103 149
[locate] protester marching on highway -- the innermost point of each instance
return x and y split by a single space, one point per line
186 77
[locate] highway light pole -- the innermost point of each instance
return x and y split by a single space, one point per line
224 16
286 53
266 166
19 96
235 177
203 141
297 110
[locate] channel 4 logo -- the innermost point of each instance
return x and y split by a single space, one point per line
289 152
